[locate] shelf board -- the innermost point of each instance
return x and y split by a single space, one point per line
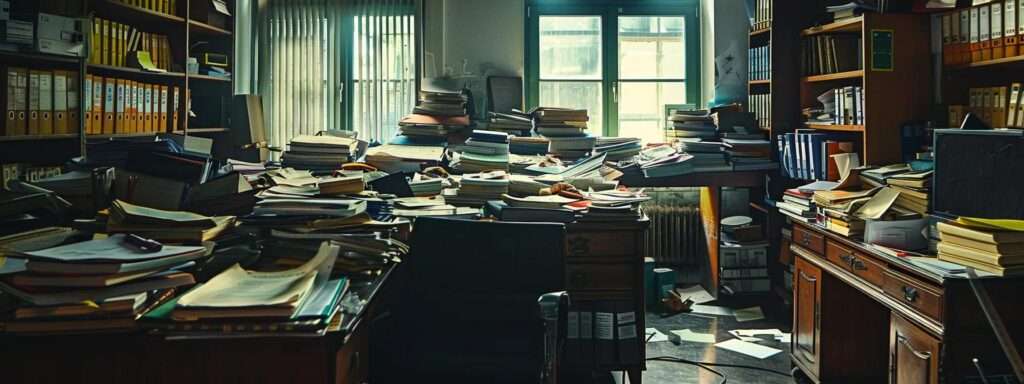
761 82
108 8
34 57
207 29
202 130
116 135
110 69
209 78
63 136
847 25
760 31
835 76
836 127
990 63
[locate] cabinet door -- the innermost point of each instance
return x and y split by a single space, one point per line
913 354
806 312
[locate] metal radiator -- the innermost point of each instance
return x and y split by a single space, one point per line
676 235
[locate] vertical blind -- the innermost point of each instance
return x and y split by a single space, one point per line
315 51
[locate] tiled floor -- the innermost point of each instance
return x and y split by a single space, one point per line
676 373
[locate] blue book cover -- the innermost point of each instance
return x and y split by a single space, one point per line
791 155
321 304
815 140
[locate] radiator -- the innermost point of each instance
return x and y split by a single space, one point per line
676 235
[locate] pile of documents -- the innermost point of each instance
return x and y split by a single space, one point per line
166 226
322 154
571 148
985 248
417 125
838 210
483 151
560 122
442 103
618 148
706 156
690 124
528 145
94 285
311 207
798 204
476 188
914 189
518 124
750 154
393 158
423 185
612 206
302 300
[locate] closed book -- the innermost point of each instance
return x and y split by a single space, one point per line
1011 250
160 281
1016 270
985 236
112 306
322 303
31 280
979 255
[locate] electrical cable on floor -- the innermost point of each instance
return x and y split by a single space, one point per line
707 365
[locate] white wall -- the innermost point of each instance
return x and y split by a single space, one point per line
487 34
722 24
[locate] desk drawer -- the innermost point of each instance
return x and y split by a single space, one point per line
920 296
617 244
600 277
808 239
855 262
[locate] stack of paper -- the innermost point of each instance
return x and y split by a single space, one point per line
170 226
518 124
997 251
346 185
440 103
417 125
319 153
750 154
697 124
618 148
528 145
476 188
93 285
403 158
484 151
560 122
310 207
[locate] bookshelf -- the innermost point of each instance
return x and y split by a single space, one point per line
189 33
892 95
781 87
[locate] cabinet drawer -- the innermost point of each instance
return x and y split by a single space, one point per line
913 354
920 296
617 244
855 262
808 239
600 277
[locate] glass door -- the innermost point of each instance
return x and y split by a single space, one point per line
571 70
651 73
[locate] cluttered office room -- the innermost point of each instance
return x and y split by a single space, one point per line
512 191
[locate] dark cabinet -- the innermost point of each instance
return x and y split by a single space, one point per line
913 354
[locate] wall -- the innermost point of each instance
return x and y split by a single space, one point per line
487 34
724 23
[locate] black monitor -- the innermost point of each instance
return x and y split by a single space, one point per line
979 173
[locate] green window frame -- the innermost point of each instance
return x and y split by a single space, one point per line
610 11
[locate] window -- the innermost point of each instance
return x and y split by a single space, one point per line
623 62
337 65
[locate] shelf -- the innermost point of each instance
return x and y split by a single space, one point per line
116 135
63 136
990 63
207 29
847 25
138 15
760 31
837 127
35 57
835 76
761 82
110 69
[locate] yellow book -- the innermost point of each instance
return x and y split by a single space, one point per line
60 102
109 88
1015 270
96 45
105 38
999 254
162 104
33 103
980 231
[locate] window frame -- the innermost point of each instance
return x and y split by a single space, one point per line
609 11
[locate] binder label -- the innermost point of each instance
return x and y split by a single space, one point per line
573 325
604 329
627 332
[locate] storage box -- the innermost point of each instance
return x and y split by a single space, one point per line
664 282
60 35
743 257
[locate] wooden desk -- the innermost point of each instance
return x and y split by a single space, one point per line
711 184
338 357
604 272
862 316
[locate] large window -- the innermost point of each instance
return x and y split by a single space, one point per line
622 61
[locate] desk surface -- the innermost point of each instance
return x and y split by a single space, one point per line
702 179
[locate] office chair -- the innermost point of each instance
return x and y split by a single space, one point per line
469 310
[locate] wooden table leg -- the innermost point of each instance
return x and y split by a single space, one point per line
710 213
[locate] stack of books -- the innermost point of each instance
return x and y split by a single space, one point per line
240 302
309 207
602 212
518 124
877 177
95 285
528 145
423 185
618 148
320 154
750 154
340 185
707 156
914 190
427 126
690 124
571 148
837 208
167 226
483 151
989 250
798 205
560 122
477 188
442 104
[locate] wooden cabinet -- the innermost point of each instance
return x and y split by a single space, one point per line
913 354
806 294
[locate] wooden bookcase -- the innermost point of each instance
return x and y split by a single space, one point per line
893 96
782 86
186 31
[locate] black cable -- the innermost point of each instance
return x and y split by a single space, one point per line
684 361
681 360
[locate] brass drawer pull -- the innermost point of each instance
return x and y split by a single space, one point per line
806 240
910 293
858 265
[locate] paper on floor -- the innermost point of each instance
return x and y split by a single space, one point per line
688 335
711 310
749 314
653 335
754 335
696 293
749 349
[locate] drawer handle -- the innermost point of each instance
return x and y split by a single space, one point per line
858 265
910 293
805 240
848 259
919 354
579 246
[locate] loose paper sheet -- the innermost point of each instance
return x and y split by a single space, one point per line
695 337
749 314
653 335
749 349
696 293
878 205
849 171
711 310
